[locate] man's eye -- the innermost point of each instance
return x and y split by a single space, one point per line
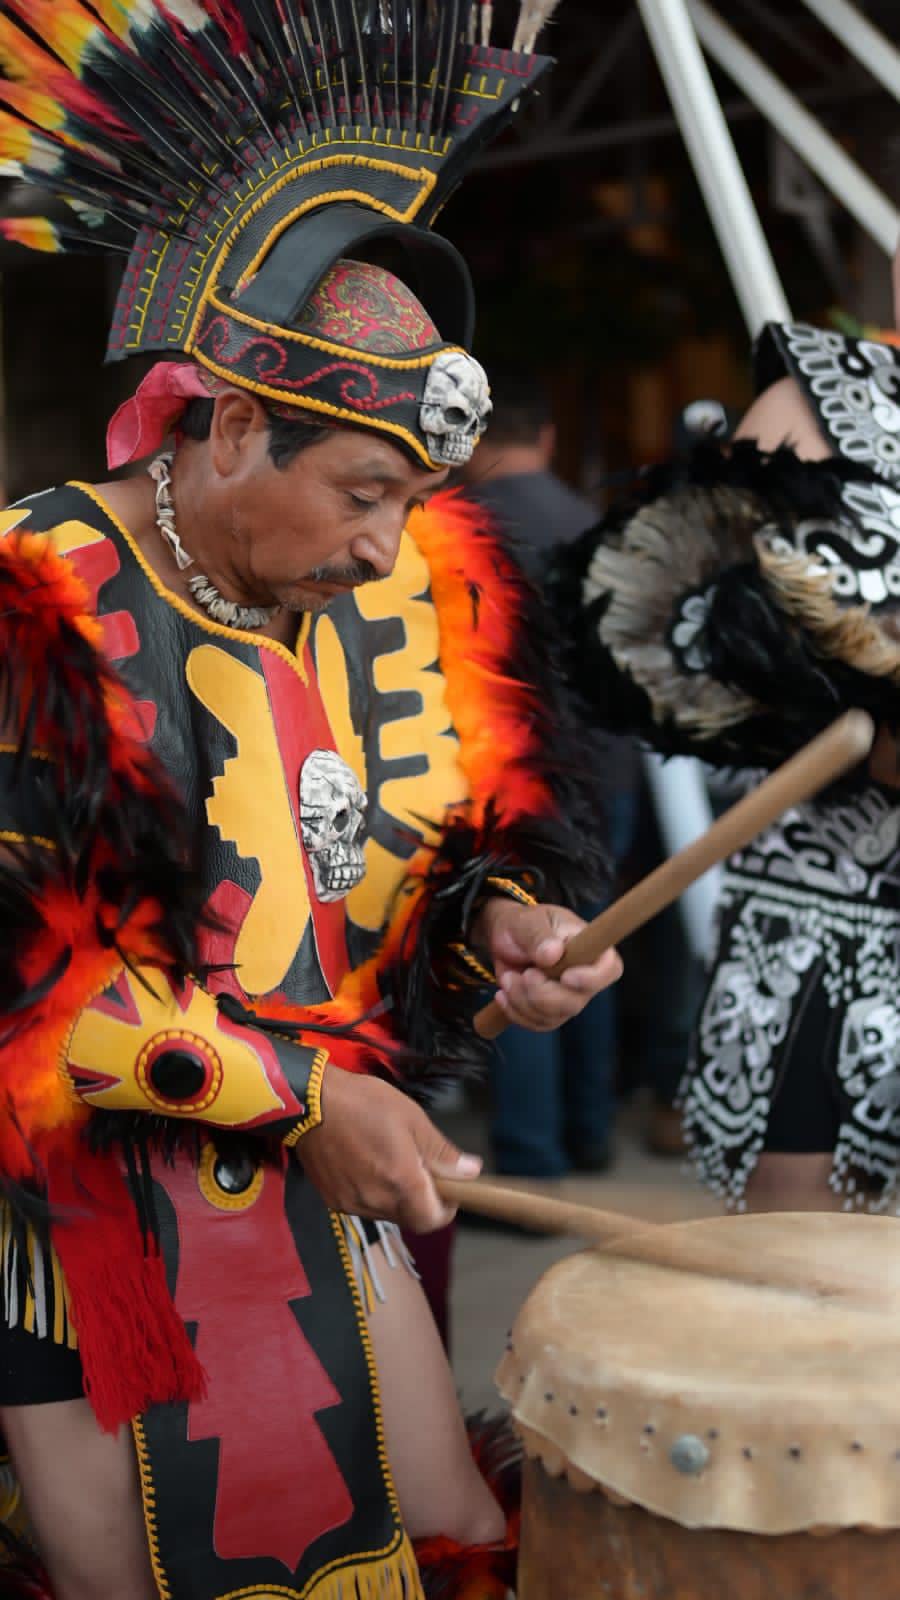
360 501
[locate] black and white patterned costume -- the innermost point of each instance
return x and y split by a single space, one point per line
744 604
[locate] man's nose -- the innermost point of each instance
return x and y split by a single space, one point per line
380 542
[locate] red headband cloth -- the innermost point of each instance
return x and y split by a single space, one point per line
142 424
356 305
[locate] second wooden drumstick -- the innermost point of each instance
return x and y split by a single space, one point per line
842 746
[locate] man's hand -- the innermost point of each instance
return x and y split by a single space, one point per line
375 1154
524 943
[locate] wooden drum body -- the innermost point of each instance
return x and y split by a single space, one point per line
694 1437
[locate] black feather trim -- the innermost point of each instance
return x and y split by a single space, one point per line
432 1006
786 686
115 821
565 847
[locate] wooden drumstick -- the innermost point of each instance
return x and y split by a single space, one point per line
653 1243
842 746
542 1213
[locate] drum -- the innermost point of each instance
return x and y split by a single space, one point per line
721 1435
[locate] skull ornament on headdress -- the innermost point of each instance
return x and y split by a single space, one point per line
455 408
332 818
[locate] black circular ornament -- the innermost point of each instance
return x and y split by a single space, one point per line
177 1074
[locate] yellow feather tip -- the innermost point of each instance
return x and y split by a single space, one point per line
35 233
62 24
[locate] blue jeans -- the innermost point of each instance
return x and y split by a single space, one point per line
553 1092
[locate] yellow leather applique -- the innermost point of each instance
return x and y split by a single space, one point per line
251 808
427 733
118 1048
13 518
70 536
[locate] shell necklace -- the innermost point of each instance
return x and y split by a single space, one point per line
205 593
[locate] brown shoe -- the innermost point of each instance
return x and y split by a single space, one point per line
665 1136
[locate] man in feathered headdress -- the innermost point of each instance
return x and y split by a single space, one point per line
264 819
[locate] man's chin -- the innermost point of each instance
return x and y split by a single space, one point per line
311 600
314 595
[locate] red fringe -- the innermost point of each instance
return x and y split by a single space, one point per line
135 1351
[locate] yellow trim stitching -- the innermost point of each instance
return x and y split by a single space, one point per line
289 171
396 1578
9 836
160 254
34 754
470 960
419 176
313 1100
206 624
514 890
148 1505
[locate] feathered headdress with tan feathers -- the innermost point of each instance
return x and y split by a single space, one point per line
235 150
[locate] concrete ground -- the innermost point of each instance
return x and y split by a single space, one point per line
495 1272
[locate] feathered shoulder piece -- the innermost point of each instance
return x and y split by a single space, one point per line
94 865
243 146
535 792
709 620
534 815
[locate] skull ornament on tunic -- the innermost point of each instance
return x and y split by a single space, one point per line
455 408
332 820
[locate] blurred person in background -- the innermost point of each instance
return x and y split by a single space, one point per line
553 1095
746 597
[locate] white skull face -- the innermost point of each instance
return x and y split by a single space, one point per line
455 408
869 1062
332 815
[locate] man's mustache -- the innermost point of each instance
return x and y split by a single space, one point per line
358 572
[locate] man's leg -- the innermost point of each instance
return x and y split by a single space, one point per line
82 1492
440 1489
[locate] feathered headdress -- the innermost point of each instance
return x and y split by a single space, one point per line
236 150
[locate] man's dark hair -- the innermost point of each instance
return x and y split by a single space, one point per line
521 408
287 437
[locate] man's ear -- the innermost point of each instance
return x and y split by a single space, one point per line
238 422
